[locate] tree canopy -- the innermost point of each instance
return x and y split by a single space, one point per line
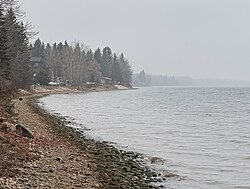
23 64
15 67
77 65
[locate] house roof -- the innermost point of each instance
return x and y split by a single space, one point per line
107 78
36 59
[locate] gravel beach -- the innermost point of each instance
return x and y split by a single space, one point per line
60 157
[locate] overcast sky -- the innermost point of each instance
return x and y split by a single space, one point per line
197 38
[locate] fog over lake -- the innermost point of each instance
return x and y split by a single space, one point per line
200 39
125 94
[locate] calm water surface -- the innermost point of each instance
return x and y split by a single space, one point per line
202 134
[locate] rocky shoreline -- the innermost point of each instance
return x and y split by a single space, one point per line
62 157
116 168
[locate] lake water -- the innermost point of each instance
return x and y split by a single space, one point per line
201 134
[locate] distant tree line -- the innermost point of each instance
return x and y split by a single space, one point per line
77 65
15 67
141 79
145 79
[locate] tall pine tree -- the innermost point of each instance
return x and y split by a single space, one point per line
4 58
98 56
116 70
18 51
106 62
126 71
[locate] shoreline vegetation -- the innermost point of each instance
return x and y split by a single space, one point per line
58 156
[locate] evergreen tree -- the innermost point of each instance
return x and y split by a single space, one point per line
126 71
43 77
116 70
49 60
38 49
98 56
106 62
18 50
4 58
66 45
142 79
59 60
90 55
68 67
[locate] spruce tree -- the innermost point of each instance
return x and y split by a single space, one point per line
98 56
90 55
126 71
142 78
116 70
18 50
106 62
38 49
4 58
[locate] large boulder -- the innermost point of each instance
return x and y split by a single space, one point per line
24 131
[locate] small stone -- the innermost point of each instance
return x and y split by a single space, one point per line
78 185
97 185
51 170
22 130
154 175
58 159
135 178
2 119
2 138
